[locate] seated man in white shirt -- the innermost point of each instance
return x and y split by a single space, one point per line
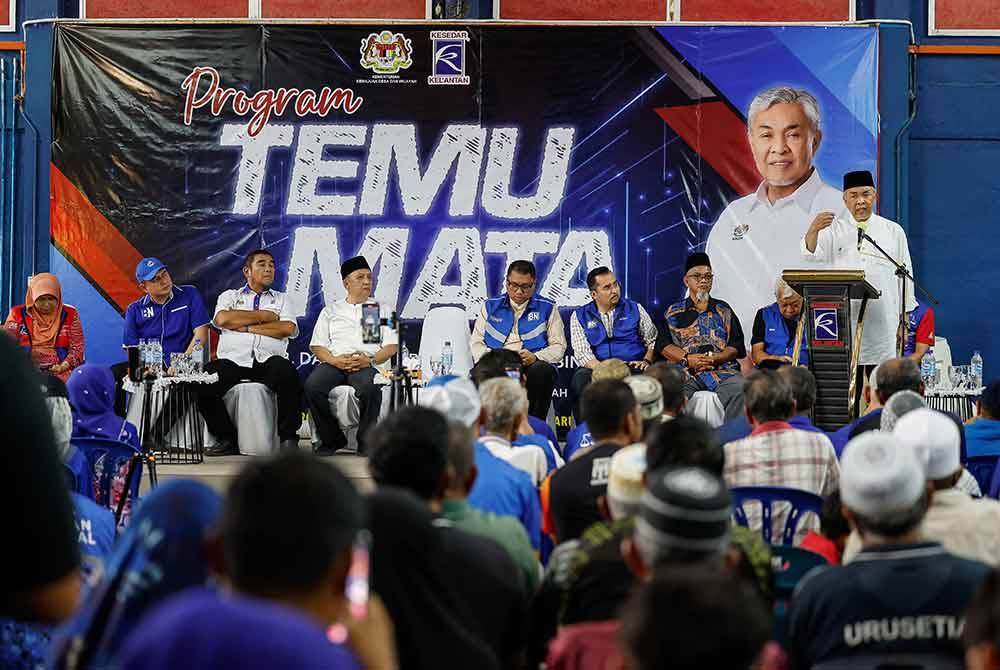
344 359
256 323
505 403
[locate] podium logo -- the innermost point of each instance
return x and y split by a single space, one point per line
825 324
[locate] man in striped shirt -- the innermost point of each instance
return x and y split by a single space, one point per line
777 454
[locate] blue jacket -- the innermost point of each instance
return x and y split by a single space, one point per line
532 326
504 490
982 438
913 319
777 340
626 340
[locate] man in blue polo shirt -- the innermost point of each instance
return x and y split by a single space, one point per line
173 315
901 594
609 326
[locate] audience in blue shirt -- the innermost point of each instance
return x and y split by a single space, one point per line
982 436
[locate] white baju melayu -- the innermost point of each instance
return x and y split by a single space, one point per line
837 248
753 242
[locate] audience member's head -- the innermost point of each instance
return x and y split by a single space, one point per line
610 369
497 363
803 385
455 397
768 397
898 374
649 395
982 626
611 412
684 517
694 618
989 403
883 487
936 440
870 391
625 481
408 449
832 523
897 406
287 530
505 403
671 380
168 537
685 441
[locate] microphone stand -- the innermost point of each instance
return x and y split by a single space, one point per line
903 274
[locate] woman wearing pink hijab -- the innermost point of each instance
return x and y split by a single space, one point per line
47 327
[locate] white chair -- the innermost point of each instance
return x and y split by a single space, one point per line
446 324
705 405
254 411
344 403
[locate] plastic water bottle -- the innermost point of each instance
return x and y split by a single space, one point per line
197 354
143 354
404 357
976 366
928 370
447 358
157 362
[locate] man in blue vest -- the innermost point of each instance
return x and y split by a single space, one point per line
704 335
528 324
772 343
609 326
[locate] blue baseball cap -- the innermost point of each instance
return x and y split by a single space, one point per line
147 268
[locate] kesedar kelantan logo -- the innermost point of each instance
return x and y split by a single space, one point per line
386 52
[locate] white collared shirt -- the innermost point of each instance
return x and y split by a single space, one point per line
837 248
338 330
965 526
244 348
753 242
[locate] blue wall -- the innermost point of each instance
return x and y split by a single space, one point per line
951 183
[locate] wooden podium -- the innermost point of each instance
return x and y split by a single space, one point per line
833 349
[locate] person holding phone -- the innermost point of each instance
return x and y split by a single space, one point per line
344 358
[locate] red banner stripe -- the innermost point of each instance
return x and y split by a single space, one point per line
719 135
182 9
766 10
91 242
584 10
341 9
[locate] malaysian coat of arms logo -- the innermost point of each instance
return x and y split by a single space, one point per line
386 52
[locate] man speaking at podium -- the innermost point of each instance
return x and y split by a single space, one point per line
840 243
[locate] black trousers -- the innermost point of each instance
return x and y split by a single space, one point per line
581 378
321 381
277 374
540 378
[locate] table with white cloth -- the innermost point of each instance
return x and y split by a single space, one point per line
961 403
183 440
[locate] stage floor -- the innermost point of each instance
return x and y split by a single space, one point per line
217 472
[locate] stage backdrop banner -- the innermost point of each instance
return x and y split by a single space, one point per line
439 154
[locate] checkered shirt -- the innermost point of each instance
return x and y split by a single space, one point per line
776 454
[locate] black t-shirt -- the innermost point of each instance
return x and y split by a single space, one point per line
759 333
492 587
575 488
901 599
40 535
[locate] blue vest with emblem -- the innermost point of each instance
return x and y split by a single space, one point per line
777 340
625 341
913 319
532 326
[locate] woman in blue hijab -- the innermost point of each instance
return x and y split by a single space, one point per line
92 396
162 552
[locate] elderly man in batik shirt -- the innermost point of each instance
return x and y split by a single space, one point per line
704 336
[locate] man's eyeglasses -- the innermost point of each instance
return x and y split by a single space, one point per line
520 287
702 277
